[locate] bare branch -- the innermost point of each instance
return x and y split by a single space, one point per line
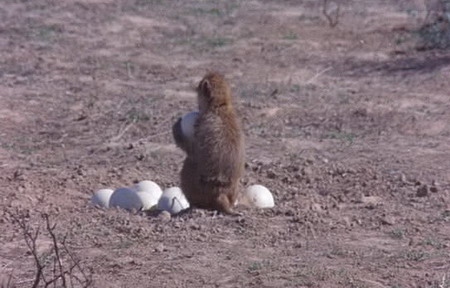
332 20
50 230
58 251
30 240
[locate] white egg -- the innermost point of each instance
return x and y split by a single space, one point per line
149 192
259 196
125 198
101 198
173 201
187 124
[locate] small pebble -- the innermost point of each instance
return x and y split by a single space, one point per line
164 216
422 191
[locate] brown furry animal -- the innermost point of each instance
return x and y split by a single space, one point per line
215 158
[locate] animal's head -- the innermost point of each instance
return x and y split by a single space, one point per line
213 92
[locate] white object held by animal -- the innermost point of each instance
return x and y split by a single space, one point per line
188 123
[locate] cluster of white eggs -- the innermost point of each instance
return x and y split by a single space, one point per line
147 195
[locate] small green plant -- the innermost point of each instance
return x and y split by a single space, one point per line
290 36
295 88
212 11
258 265
342 135
435 34
134 115
446 216
147 2
47 33
415 255
336 251
397 233
400 39
218 42
433 243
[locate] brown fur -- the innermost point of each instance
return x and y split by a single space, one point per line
215 161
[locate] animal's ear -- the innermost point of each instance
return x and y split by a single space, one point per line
205 88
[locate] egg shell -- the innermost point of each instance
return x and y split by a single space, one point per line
101 198
149 192
187 124
259 196
173 201
125 198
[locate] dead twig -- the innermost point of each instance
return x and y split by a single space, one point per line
318 75
76 264
58 258
332 20
121 132
62 274
30 240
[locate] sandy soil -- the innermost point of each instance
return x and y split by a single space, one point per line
348 126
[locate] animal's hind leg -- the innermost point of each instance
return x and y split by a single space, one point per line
224 205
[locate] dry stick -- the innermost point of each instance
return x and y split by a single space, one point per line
122 132
129 70
88 280
152 136
54 272
25 281
318 75
71 275
443 282
30 241
50 230
8 284
331 22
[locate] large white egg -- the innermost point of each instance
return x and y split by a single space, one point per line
187 124
173 201
149 192
101 198
259 196
125 198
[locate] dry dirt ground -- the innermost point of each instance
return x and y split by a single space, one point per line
348 127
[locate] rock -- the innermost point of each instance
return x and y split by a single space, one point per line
271 174
422 191
316 208
164 216
307 171
387 220
403 179
347 221
371 202
160 248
